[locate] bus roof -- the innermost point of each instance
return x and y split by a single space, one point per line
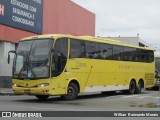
88 38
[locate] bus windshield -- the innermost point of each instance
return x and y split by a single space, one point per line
32 59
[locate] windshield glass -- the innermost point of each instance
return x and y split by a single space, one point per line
32 59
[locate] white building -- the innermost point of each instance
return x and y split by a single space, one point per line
130 40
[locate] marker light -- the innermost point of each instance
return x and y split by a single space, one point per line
43 85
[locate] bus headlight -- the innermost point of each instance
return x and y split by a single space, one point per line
15 85
43 85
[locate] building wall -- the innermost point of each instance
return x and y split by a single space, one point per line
127 40
131 40
5 68
67 18
12 34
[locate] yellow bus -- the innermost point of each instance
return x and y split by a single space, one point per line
67 65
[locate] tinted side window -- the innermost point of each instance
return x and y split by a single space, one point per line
118 53
129 54
61 46
106 51
77 49
60 56
92 50
151 56
148 56
139 55
145 56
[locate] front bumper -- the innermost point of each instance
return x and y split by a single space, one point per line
31 91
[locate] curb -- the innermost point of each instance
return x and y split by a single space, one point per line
7 94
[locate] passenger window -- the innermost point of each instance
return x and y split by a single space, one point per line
139 55
150 56
118 52
129 54
77 49
106 51
92 50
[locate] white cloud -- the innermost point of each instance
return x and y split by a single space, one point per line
126 17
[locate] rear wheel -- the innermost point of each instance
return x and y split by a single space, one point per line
132 87
42 97
72 92
139 87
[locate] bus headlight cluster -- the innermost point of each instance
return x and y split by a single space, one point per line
15 85
43 85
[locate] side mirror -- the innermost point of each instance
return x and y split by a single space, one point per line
9 55
8 58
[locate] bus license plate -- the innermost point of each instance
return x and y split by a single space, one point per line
27 91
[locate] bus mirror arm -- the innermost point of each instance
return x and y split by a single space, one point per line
12 51
53 50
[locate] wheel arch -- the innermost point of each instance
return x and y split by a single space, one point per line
76 83
132 79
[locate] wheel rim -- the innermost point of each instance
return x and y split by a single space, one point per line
70 91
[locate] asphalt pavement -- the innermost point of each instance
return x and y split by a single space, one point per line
147 101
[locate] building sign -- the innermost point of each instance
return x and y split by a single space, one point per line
1 9
22 14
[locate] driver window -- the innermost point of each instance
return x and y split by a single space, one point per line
59 56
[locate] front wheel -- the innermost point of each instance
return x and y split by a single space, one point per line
42 97
72 92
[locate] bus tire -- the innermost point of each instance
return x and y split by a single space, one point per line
139 88
42 97
132 87
72 92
